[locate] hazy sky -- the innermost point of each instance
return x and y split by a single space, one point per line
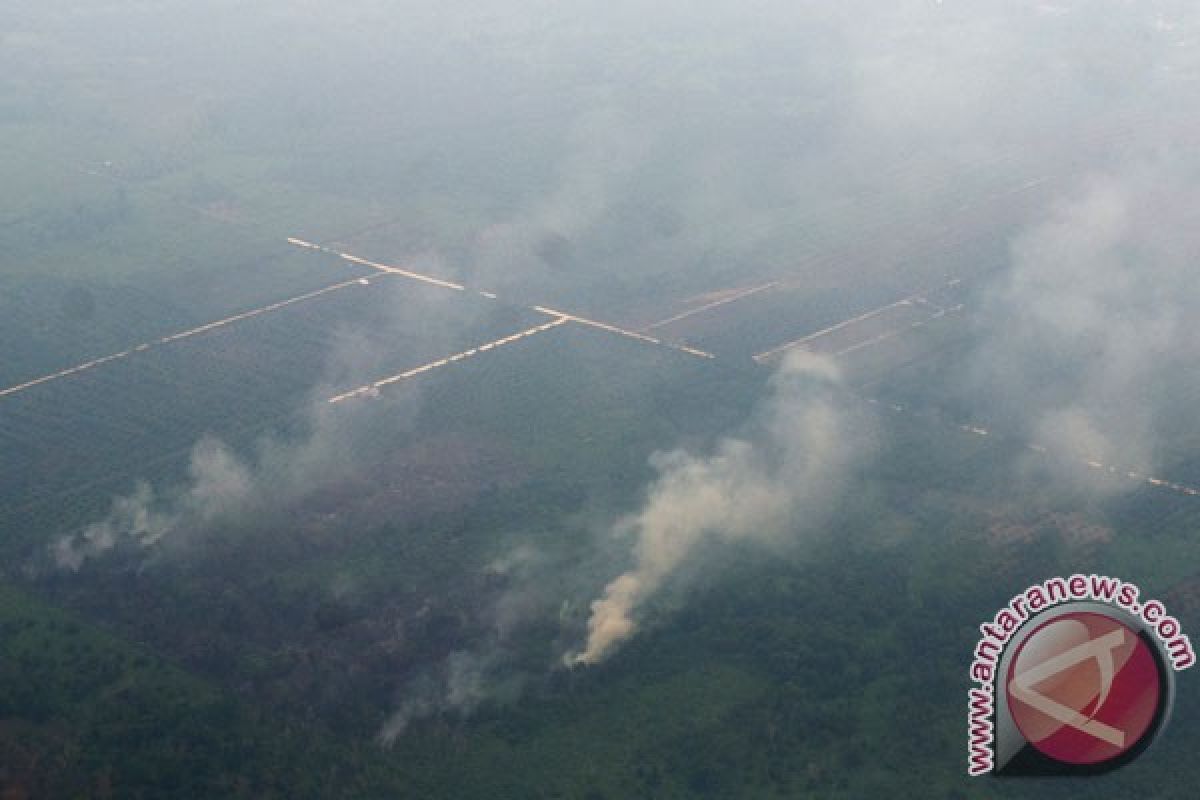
606 150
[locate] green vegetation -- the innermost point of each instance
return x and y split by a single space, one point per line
342 559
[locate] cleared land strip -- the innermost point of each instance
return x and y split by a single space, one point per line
563 315
604 326
918 298
709 306
893 333
1091 463
353 259
560 317
362 280
372 389
938 312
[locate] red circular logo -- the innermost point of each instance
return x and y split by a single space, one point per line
1084 688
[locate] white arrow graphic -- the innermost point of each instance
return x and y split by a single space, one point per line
1101 649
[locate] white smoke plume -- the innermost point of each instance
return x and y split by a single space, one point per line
458 685
1087 335
218 484
783 476
223 486
489 668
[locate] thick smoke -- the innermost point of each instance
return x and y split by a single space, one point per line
783 476
1088 335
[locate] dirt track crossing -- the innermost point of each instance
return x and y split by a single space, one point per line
564 315
372 389
362 280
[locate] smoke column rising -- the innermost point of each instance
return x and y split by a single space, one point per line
778 478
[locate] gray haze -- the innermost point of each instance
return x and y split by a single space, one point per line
610 154
1089 338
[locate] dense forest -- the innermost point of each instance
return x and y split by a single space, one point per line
353 355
